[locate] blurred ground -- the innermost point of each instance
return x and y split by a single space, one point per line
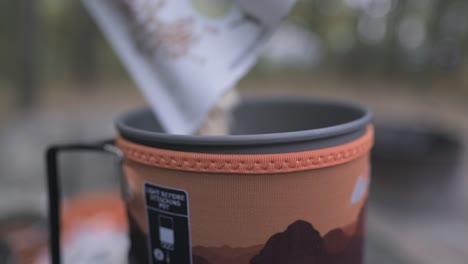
423 236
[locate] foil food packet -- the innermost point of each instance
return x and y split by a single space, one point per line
185 54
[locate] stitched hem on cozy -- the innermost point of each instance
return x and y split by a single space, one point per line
248 163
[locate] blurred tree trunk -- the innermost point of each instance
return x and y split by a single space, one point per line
437 15
83 45
27 53
393 51
5 40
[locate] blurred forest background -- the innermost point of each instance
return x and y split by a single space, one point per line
51 44
406 59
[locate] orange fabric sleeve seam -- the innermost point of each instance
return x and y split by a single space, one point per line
248 163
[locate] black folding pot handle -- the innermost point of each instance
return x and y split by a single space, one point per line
53 185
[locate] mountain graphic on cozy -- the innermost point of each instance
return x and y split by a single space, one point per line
300 243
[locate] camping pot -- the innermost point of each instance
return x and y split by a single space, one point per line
288 185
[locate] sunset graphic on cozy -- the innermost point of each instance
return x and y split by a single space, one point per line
300 243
